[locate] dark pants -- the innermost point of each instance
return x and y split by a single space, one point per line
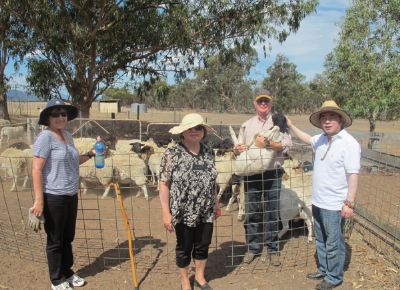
262 193
192 242
60 212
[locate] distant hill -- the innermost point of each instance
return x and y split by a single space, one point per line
17 95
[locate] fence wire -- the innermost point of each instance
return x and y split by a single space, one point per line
101 237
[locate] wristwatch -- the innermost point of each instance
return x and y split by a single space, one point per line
349 204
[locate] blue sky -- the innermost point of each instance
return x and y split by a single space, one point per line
307 48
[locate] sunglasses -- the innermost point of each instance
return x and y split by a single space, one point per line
263 101
58 114
198 128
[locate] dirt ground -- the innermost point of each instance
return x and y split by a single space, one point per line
101 245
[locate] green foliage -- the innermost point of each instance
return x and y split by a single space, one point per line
363 69
91 43
123 94
43 79
287 86
221 84
12 36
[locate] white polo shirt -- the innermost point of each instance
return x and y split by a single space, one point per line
330 180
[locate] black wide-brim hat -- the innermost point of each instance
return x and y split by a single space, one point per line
72 111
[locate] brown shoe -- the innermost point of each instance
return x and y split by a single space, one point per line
264 257
325 285
249 257
315 276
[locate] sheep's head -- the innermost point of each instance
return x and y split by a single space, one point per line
280 120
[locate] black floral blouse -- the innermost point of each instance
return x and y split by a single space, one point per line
191 184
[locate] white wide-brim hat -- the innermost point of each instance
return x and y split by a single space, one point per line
330 106
190 121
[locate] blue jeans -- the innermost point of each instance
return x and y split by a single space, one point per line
262 193
330 244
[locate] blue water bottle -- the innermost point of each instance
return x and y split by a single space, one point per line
100 149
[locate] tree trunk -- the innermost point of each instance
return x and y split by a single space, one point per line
373 138
3 100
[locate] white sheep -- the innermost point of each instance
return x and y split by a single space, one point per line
4 122
105 176
9 133
225 166
154 166
131 168
252 161
84 145
295 197
17 163
256 160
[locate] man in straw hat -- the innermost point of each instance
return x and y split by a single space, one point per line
263 190
188 198
334 186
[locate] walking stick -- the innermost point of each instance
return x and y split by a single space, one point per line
130 236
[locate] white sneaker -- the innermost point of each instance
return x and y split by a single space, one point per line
63 286
76 281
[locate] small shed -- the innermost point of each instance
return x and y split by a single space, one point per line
109 106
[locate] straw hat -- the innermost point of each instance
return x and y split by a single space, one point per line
190 121
330 106
72 112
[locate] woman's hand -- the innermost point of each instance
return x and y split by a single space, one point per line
37 208
217 211
288 122
167 221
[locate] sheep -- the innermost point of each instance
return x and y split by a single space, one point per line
131 168
256 160
154 166
17 163
151 153
225 166
84 145
9 133
295 197
4 122
105 176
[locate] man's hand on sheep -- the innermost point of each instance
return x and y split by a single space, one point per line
276 146
35 222
239 148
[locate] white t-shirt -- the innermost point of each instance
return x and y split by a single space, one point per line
330 176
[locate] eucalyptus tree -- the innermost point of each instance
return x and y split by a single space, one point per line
11 37
222 83
286 84
364 67
91 43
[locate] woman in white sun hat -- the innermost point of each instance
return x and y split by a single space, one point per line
188 196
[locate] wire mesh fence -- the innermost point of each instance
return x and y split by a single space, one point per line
101 239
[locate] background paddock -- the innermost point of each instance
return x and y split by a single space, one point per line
101 247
